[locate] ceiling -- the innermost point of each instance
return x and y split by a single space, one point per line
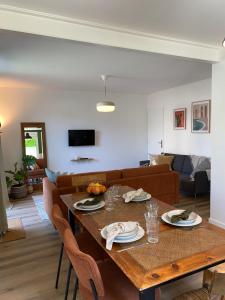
200 21
29 60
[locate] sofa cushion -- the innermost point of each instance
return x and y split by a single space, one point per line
162 160
184 177
163 186
112 175
135 172
66 180
52 176
177 163
187 165
81 181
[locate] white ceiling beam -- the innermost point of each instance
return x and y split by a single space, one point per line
222 54
23 20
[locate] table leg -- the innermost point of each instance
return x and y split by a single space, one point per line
148 294
74 226
71 220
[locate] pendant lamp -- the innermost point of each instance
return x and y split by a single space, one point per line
105 106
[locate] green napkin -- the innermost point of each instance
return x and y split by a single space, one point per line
182 216
95 201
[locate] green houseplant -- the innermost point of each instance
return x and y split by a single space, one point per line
28 161
16 182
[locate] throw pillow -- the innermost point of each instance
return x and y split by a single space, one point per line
52 176
153 158
202 164
164 159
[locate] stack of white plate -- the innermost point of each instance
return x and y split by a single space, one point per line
193 219
133 233
143 197
88 207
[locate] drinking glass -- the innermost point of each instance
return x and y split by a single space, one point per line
109 205
152 228
152 207
115 191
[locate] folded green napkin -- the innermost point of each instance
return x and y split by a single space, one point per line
95 201
179 217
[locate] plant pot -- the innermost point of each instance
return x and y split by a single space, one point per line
30 188
18 191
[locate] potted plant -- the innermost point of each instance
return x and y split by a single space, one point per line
16 182
29 161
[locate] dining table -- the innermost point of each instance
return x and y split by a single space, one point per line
180 252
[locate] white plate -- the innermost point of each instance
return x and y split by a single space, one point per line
125 238
191 219
137 237
88 208
166 219
141 198
133 228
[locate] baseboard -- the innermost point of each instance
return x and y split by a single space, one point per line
217 223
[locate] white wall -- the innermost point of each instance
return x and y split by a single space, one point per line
121 137
179 141
217 213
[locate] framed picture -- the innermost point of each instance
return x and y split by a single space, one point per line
200 116
179 118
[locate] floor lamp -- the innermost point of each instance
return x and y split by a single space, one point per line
4 199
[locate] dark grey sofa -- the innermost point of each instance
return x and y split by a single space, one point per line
191 183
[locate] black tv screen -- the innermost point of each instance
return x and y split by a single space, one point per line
81 137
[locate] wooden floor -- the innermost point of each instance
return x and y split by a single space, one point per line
28 266
201 204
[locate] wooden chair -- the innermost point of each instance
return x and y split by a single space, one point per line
213 287
84 240
102 281
81 181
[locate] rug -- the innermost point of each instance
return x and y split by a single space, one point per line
15 231
39 203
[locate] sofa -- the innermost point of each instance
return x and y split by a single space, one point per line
193 173
160 181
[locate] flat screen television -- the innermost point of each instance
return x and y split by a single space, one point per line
81 137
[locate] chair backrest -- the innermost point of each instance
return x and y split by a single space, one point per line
85 268
82 181
60 222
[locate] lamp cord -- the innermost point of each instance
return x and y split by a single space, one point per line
105 86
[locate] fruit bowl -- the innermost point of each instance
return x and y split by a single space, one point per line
96 188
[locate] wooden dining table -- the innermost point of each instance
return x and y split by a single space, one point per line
180 252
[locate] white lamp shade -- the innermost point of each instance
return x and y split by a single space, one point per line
106 106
